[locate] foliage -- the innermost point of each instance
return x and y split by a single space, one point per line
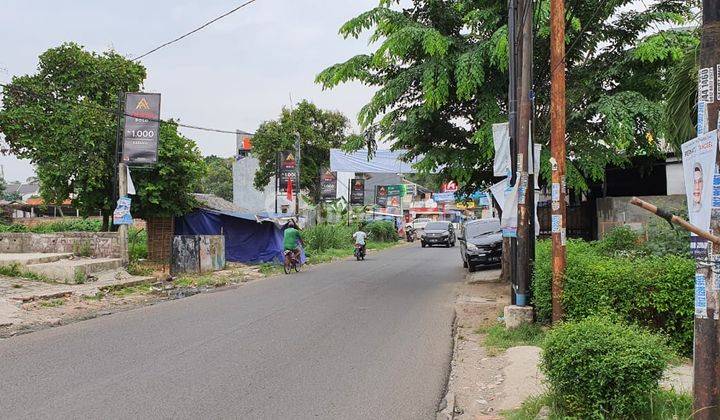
659 405
665 239
218 179
137 244
498 338
165 190
620 239
319 131
599 368
325 236
440 70
655 292
382 231
76 225
71 145
681 96
63 120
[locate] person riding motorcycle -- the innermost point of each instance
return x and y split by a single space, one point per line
359 237
292 239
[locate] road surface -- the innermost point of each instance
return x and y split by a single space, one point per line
347 340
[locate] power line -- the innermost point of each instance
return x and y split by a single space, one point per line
195 30
114 112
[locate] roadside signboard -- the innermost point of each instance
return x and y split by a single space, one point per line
357 191
381 195
444 197
328 185
142 129
287 170
450 186
396 190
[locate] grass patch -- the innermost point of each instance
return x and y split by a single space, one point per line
327 255
498 338
96 297
138 289
661 405
270 269
52 303
17 270
136 268
201 281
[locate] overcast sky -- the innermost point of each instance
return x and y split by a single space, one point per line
234 74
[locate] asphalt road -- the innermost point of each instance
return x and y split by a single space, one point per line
355 340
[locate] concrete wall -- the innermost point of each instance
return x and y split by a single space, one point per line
101 244
198 253
244 193
617 211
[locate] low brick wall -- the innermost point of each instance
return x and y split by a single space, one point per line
100 244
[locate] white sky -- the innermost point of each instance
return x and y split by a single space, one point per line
234 74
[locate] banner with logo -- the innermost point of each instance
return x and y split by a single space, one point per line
287 170
142 128
381 195
396 190
444 197
698 168
357 191
121 215
328 185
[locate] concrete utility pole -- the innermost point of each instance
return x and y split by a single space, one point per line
706 387
557 146
524 157
123 229
297 171
510 244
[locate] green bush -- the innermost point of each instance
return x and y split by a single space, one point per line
655 292
601 369
664 239
324 236
382 231
620 239
77 225
137 244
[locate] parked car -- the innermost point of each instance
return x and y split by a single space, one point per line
480 243
438 233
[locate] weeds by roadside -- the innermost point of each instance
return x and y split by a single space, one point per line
17 271
498 338
142 288
201 281
52 303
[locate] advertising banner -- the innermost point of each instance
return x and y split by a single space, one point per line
142 129
444 197
381 195
328 185
121 215
396 190
501 140
287 170
698 167
357 191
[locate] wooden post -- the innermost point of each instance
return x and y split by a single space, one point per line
557 146
706 361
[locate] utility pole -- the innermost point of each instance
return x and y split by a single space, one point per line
706 361
122 173
524 156
510 244
557 146
297 173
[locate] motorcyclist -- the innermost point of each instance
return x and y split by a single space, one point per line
359 237
292 239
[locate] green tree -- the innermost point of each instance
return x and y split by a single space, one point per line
219 177
440 69
62 118
166 189
319 131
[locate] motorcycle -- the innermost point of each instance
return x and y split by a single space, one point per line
360 252
410 234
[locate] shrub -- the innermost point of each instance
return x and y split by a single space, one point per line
620 239
137 244
664 239
655 292
382 231
328 236
599 368
81 225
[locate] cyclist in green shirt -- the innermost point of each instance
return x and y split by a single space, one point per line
292 239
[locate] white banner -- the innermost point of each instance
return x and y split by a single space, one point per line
509 220
501 139
498 192
698 168
537 152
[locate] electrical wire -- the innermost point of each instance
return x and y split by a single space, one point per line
199 28
115 112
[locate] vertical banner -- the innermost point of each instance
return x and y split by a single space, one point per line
287 170
698 169
328 185
381 195
142 129
501 141
357 191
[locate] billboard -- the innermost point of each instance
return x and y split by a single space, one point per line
328 185
287 170
357 191
142 129
381 195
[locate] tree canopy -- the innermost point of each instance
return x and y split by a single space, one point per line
63 119
219 177
319 130
441 73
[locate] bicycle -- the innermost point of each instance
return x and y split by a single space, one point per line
292 261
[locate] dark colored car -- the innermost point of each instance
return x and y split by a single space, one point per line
480 243
438 233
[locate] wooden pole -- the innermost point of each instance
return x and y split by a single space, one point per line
675 219
557 146
706 361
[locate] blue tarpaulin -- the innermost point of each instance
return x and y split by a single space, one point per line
246 240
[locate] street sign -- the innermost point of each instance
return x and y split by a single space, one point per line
396 190
142 129
287 170
357 191
328 185
444 197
